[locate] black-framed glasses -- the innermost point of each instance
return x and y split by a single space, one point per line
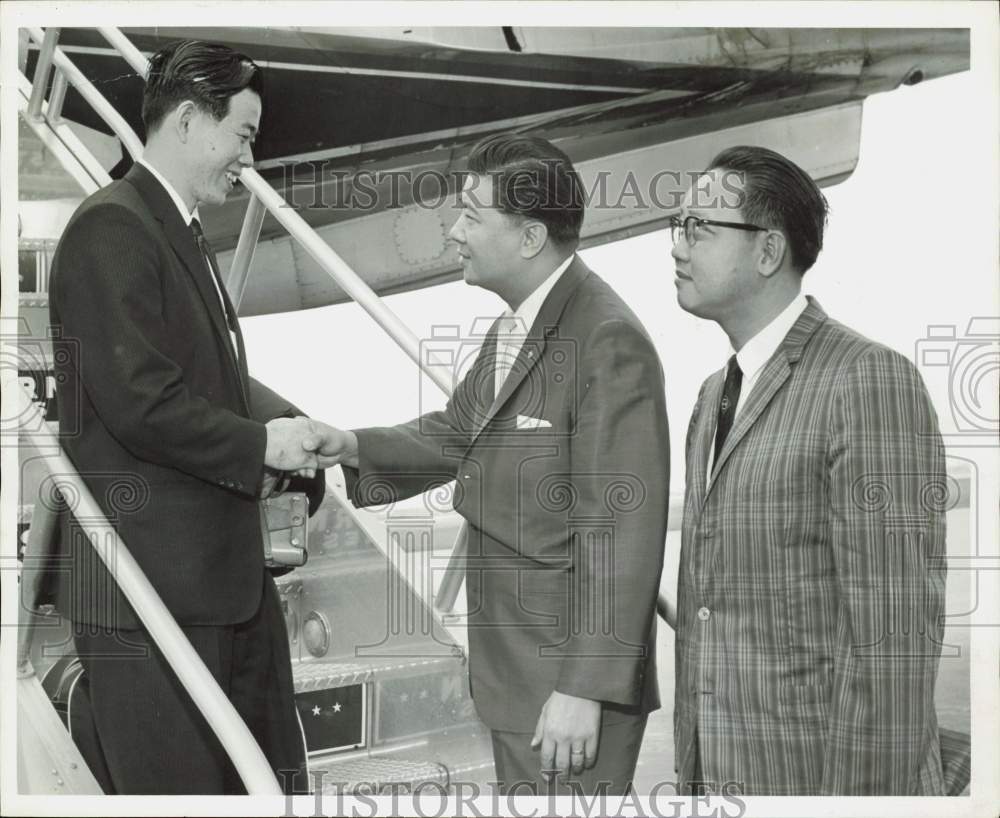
688 227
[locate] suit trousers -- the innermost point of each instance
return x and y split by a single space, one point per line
518 766
153 738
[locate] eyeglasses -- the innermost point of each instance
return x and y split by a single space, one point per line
689 226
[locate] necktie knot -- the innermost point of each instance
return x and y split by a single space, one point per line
507 323
199 234
733 367
508 343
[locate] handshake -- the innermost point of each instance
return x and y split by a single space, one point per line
302 445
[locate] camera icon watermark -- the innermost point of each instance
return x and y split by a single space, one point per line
966 368
34 368
506 378
410 626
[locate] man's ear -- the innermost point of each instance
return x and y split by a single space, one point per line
533 237
183 117
772 253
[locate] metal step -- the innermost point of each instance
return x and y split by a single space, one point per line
463 755
376 774
330 674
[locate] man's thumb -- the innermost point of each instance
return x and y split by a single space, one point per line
536 739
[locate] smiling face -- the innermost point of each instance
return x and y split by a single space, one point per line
220 149
716 277
489 240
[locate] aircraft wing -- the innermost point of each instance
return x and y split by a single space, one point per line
366 132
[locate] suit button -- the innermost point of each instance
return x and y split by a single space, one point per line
708 532
704 614
465 477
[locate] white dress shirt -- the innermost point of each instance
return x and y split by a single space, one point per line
513 326
758 351
188 217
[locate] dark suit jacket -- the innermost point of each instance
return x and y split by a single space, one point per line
567 520
811 586
168 430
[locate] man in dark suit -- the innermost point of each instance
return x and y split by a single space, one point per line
175 440
558 439
811 587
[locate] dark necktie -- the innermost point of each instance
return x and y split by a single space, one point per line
209 256
727 408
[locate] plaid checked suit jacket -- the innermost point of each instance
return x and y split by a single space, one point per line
811 587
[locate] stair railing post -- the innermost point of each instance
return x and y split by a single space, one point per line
239 272
57 96
42 70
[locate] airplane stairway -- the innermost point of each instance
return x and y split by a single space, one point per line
381 685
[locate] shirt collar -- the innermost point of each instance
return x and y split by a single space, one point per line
181 207
524 316
758 350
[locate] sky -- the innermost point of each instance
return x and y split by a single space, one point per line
909 245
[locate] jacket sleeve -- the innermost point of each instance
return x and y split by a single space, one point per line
398 462
107 293
888 495
265 405
620 454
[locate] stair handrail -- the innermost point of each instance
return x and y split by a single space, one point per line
324 255
89 92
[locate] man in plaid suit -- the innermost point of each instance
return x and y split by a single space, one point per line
812 583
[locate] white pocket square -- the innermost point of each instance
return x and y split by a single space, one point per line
525 422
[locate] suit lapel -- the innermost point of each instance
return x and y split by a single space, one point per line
776 372
704 435
544 327
183 243
484 378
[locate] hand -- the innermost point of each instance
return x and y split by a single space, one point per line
568 731
285 451
332 445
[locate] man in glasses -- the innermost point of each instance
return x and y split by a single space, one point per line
811 586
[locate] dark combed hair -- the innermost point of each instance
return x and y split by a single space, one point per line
780 195
205 73
534 179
